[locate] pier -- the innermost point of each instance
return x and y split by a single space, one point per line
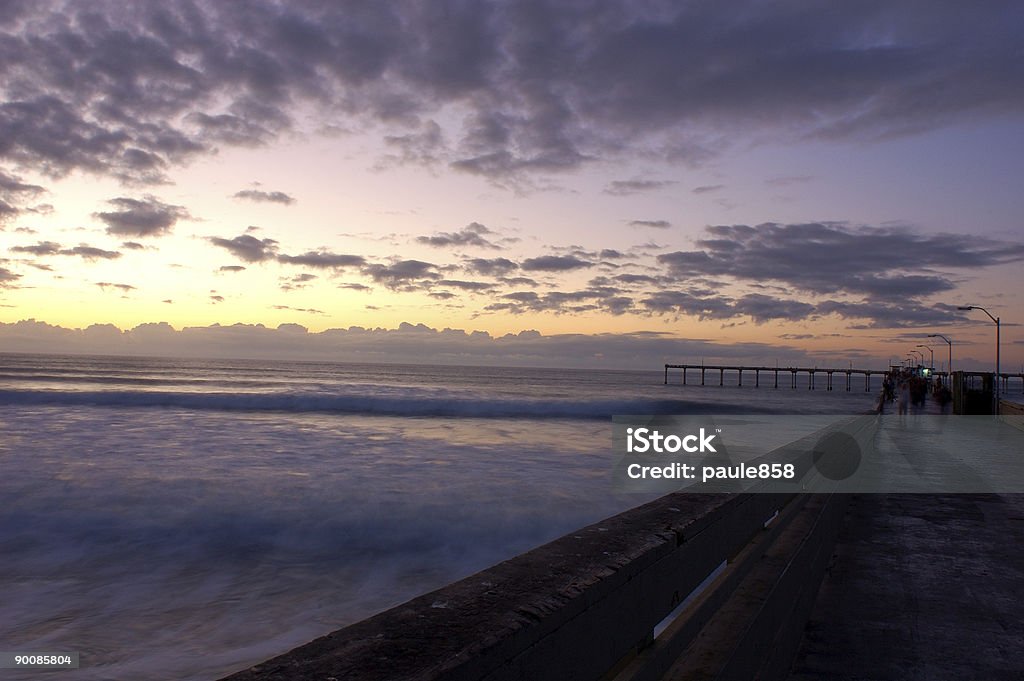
1007 381
773 372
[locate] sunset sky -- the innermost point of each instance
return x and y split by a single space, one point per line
634 181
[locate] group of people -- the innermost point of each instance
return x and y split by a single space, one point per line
906 388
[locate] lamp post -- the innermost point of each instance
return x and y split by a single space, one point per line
949 366
921 354
995 392
933 356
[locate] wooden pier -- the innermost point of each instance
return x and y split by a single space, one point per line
774 372
813 372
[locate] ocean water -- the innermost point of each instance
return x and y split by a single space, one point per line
184 519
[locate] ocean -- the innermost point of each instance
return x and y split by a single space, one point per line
184 519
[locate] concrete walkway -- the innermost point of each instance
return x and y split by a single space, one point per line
921 587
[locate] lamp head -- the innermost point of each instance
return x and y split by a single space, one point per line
965 307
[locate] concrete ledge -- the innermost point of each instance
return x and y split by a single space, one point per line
580 607
569 609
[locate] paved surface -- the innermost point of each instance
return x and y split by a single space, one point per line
922 587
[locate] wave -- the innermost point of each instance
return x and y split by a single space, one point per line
448 405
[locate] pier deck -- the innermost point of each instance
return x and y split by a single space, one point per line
921 587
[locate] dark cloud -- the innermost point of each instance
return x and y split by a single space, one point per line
41 248
401 272
7 277
630 187
229 129
605 298
247 248
658 224
12 185
762 308
690 304
231 268
129 90
52 248
470 235
555 263
424 146
518 281
217 299
354 286
91 253
13 193
132 245
323 259
141 217
827 258
466 285
890 315
707 188
636 279
489 267
261 196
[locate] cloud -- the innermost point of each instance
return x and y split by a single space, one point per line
489 267
91 253
307 310
893 315
657 224
352 286
827 258
466 285
401 272
231 268
7 277
124 288
470 235
41 248
260 196
494 89
132 245
707 188
762 308
247 248
14 192
323 259
630 187
83 251
555 263
141 217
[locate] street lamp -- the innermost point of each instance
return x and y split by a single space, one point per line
949 367
933 356
995 393
920 353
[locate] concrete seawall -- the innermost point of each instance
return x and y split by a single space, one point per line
727 579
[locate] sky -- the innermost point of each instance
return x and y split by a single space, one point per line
607 184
